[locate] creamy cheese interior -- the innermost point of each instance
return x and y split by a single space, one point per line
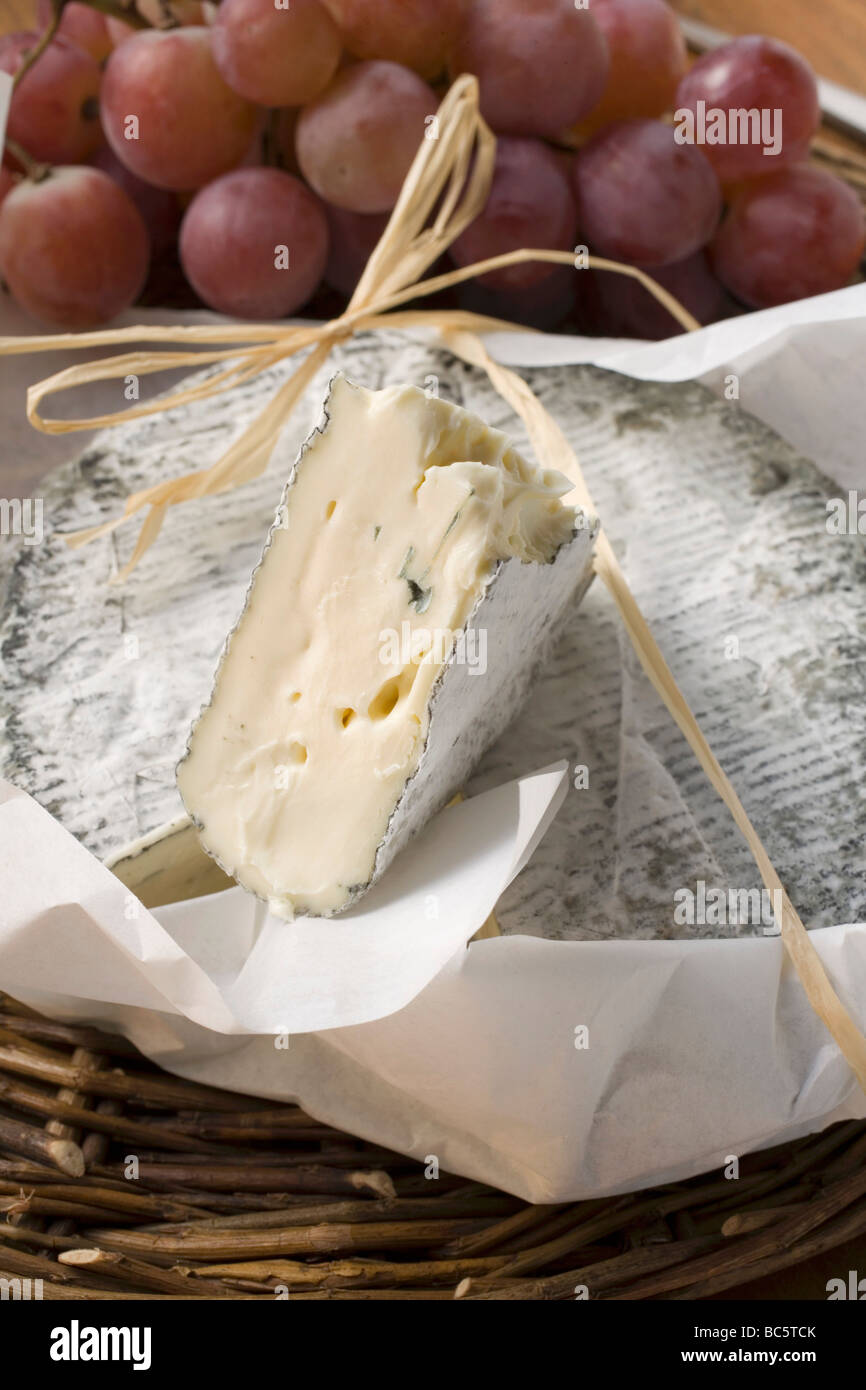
400 510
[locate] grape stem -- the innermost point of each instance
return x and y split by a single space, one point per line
169 18
32 167
124 10
117 9
44 40
268 142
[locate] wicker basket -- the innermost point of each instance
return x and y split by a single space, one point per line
120 1182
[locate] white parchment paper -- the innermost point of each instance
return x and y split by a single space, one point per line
68 922
556 1069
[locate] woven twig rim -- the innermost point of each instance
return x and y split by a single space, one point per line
239 1198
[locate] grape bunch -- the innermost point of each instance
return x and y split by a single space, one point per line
246 156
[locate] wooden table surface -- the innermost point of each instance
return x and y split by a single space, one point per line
16 14
832 34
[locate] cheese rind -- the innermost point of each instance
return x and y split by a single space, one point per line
412 548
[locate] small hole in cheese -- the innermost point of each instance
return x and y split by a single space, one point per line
295 696
297 753
329 510
346 717
382 704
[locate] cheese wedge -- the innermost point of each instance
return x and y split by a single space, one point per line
407 594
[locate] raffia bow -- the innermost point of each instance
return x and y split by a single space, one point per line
444 191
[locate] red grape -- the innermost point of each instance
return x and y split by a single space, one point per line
755 74
620 307
541 64
544 306
167 113
416 33
231 240
530 204
354 235
73 247
356 143
80 25
54 113
642 197
159 208
276 57
798 233
647 59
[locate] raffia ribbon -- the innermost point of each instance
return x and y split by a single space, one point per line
444 190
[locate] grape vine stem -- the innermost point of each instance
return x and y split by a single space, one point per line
32 167
40 46
124 10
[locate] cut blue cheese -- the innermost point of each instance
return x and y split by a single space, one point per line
407 595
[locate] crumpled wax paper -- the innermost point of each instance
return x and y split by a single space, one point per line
556 1069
